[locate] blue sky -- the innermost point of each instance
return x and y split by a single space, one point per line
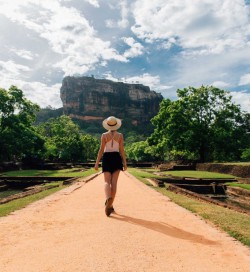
164 44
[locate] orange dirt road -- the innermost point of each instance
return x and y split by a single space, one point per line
69 232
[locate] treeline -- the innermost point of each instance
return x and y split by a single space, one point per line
57 139
203 124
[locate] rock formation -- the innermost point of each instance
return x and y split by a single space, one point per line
91 99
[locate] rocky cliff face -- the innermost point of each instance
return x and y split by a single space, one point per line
87 98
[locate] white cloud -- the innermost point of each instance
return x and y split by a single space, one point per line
37 92
40 93
67 32
244 80
12 69
121 5
25 54
79 62
184 43
16 11
220 84
206 26
136 49
243 99
94 3
205 69
123 23
110 23
146 79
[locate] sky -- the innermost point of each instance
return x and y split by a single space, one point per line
164 44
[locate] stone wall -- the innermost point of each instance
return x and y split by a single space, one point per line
242 171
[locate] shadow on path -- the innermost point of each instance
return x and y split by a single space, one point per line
165 229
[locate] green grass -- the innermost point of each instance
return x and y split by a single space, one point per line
17 204
234 223
151 170
197 174
142 174
241 185
9 192
236 163
73 172
190 173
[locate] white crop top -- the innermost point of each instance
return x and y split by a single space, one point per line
112 145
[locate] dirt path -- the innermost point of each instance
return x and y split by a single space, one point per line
69 232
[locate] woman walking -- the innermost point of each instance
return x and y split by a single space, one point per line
113 159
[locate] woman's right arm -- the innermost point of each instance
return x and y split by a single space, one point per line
100 152
122 152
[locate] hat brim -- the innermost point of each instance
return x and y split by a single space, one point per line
115 127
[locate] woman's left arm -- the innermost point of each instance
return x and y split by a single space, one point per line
100 152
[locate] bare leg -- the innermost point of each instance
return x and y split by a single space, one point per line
108 193
114 179
107 186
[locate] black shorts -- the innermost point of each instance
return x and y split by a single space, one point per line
111 161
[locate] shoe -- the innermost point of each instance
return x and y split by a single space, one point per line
108 205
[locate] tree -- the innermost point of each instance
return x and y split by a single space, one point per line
203 123
18 138
64 140
158 141
139 151
246 154
90 147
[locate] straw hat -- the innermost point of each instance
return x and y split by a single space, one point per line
112 123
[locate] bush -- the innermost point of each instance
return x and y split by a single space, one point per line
246 155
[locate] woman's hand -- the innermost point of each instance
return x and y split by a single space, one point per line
96 166
125 167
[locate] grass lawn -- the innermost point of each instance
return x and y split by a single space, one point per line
241 185
17 204
72 172
236 163
234 223
205 174
9 192
197 174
